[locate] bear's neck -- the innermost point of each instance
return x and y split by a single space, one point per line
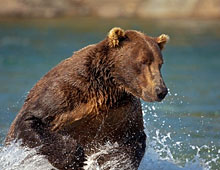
101 83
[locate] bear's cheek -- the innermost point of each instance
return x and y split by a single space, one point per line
147 93
147 97
147 86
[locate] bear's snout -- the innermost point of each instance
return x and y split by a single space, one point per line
161 92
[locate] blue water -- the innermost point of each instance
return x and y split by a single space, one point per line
183 131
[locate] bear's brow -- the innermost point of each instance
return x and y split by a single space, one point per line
150 57
154 50
151 48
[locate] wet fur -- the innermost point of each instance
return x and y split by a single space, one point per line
80 104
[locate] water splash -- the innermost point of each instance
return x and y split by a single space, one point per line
16 157
169 146
120 161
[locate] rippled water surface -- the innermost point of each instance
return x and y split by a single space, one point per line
183 131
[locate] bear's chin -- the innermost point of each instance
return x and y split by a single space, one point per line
150 98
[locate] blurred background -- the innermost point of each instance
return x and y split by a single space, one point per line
184 130
111 9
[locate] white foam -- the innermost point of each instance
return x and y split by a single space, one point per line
16 157
120 161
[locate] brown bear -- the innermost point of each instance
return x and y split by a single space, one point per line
93 98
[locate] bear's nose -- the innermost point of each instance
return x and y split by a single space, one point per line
161 92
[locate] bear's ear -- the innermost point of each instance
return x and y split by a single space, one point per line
162 40
115 35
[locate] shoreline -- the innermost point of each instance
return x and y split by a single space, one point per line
82 18
146 9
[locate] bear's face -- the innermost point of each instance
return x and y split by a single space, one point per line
138 64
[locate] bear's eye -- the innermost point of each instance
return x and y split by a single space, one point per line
146 61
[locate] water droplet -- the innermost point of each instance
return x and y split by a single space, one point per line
178 143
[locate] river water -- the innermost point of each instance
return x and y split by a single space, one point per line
183 131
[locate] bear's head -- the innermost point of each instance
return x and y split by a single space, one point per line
138 62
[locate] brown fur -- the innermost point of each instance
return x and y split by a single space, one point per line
92 98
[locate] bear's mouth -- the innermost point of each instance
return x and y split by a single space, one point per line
147 97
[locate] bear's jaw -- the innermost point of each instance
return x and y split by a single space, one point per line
147 98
